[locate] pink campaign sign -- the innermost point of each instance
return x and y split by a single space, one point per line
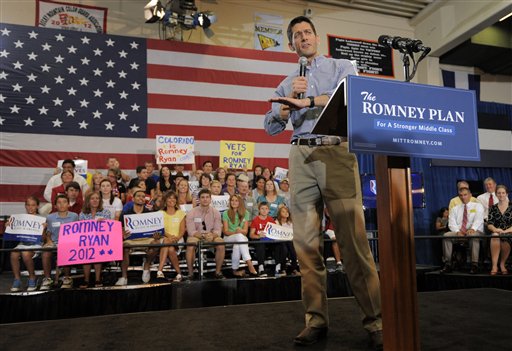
89 242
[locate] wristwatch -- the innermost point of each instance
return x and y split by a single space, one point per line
312 101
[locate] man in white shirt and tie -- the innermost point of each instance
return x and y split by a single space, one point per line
488 198
465 219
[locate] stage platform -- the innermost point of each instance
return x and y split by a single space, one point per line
162 295
475 319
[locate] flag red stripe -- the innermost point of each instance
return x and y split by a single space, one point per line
198 103
202 49
19 193
218 133
213 76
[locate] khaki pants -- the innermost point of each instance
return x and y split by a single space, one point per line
330 174
474 245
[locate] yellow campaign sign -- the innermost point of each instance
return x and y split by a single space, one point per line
236 154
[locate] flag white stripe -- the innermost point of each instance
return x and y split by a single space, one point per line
211 90
214 119
225 63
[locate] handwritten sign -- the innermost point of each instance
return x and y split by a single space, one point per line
90 242
25 227
144 225
80 166
278 232
174 149
280 173
220 202
236 154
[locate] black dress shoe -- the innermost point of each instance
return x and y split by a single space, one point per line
310 335
376 340
446 269
474 269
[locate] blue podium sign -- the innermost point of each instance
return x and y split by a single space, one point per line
407 119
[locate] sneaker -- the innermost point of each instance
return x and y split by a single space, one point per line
122 281
16 285
261 268
263 274
340 268
279 274
178 278
160 275
47 284
219 276
146 276
32 284
67 283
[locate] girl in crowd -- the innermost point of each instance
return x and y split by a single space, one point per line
110 202
97 177
284 219
266 173
93 209
174 229
165 181
259 189
119 189
66 177
442 221
235 227
499 223
220 175
270 196
31 207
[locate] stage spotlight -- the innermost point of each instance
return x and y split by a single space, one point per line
154 11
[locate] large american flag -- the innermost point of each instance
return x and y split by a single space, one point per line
66 94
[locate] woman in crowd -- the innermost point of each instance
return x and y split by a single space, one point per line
93 209
165 181
220 175
204 183
266 173
31 207
230 186
284 219
119 189
235 228
255 174
185 200
499 223
174 229
66 177
270 196
442 221
110 202
259 189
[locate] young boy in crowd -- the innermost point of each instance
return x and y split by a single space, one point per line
50 238
257 233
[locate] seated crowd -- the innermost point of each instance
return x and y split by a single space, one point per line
201 205
467 219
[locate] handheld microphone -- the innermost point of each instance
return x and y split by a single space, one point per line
303 61
403 44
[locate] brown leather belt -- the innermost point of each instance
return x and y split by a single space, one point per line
319 141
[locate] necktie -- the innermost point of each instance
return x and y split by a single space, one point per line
491 201
464 220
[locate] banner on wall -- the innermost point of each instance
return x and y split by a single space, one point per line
62 15
236 154
268 32
371 58
174 149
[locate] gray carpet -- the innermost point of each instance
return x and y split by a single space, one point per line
477 319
